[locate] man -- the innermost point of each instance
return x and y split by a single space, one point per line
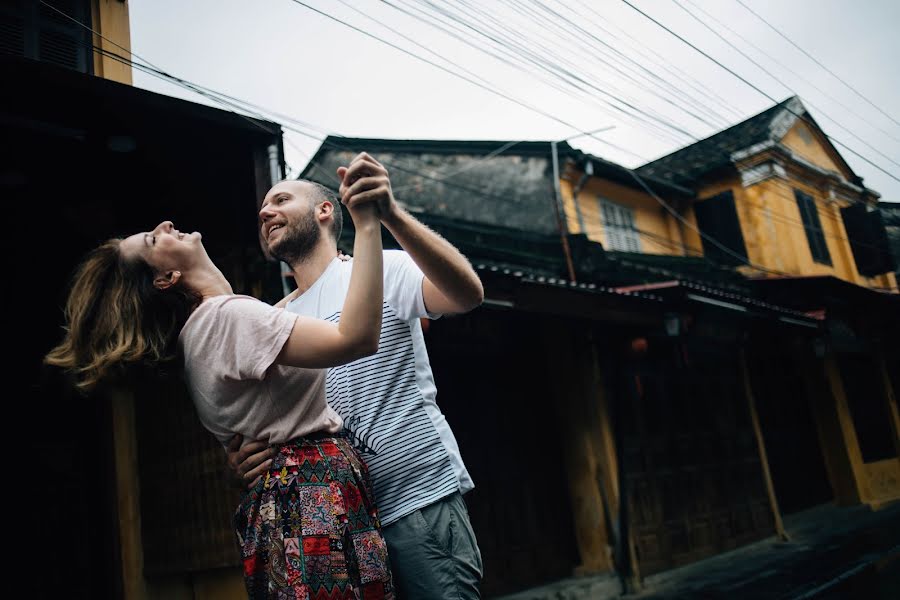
387 401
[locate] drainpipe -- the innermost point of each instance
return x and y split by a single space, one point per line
560 223
588 171
274 164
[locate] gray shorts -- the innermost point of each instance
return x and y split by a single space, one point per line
434 554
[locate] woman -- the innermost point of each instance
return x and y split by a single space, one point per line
310 525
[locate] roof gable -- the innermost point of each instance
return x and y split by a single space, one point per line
810 143
689 165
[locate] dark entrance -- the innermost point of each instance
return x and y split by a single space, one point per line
690 465
497 396
792 442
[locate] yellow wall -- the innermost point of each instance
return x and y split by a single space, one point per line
774 234
660 232
808 143
110 21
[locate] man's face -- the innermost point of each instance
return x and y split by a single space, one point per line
288 222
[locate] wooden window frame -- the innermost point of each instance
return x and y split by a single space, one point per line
618 226
812 225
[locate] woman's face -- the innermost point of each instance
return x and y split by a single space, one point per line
165 248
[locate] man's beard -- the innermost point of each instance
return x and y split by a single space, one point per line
298 240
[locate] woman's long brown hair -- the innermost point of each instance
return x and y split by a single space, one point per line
116 317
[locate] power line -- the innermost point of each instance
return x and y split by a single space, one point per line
188 85
740 258
812 58
650 75
836 141
328 142
446 70
663 62
516 58
637 178
523 54
786 86
793 72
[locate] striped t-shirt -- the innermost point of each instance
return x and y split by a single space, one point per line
388 400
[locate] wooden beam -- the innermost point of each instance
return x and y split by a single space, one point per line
890 397
761 447
128 494
580 435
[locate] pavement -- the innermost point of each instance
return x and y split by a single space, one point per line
833 553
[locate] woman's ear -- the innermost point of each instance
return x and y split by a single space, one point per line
167 280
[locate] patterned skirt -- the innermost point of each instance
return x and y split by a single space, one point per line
310 530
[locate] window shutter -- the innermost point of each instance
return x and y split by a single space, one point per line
868 240
618 224
717 218
32 30
813 227
12 33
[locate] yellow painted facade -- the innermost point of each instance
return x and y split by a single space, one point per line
776 241
660 232
109 20
808 143
769 216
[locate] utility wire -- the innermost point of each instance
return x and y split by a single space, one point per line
447 70
535 54
794 73
641 48
783 84
834 140
815 60
159 73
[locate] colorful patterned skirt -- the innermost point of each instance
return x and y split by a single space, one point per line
309 529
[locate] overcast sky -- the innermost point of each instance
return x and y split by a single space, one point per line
608 67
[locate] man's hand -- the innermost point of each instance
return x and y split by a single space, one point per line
248 463
366 180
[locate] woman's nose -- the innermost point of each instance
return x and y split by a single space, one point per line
166 226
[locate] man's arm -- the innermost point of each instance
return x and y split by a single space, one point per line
451 284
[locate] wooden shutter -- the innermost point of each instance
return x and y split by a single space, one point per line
717 218
33 30
868 240
813 227
12 30
618 223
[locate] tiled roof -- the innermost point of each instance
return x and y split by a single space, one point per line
687 165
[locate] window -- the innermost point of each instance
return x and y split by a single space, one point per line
33 30
618 223
814 234
723 241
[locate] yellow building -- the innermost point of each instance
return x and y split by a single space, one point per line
772 197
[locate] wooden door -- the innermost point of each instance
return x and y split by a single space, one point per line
690 466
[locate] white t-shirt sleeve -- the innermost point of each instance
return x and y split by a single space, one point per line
247 335
403 286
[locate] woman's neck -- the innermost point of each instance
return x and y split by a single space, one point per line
209 283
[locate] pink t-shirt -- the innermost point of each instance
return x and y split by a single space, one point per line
229 345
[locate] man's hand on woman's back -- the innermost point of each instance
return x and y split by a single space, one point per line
247 463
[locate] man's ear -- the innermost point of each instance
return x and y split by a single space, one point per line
324 210
164 281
